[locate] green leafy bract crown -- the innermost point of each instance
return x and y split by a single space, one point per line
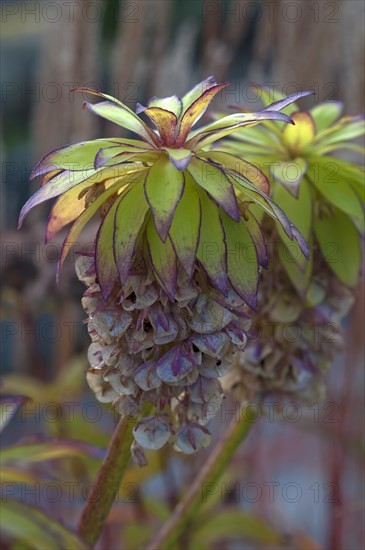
166 194
324 194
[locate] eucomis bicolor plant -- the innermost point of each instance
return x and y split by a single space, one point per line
187 204
176 259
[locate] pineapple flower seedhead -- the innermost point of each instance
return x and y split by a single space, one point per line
301 301
176 258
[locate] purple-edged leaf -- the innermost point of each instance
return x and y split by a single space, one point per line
180 158
129 219
326 113
257 236
212 247
67 180
289 173
196 110
123 116
48 176
172 103
65 210
118 154
106 269
197 91
250 192
282 103
57 185
242 262
229 124
165 122
242 167
164 186
184 230
83 219
177 363
270 95
79 156
68 207
214 181
163 260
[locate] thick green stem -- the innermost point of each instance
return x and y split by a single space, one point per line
107 483
210 473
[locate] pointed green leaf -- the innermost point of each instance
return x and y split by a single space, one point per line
195 111
300 210
331 184
85 217
346 129
184 230
243 267
129 219
67 180
257 135
212 247
234 525
353 174
270 95
79 156
289 173
65 210
163 260
123 116
340 246
214 181
229 124
28 526
299 276
326 113
193 94
323 149
172 103
106 269
29 453
251 193
57 185
180 158
120 153
165 122
257 235
246 169
164 187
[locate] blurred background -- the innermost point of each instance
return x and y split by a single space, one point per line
298 480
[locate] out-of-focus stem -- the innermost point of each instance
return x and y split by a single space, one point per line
210 472
107 483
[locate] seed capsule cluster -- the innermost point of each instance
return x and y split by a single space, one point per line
293 339
147 349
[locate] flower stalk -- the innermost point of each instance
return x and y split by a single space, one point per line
107 484
211 471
